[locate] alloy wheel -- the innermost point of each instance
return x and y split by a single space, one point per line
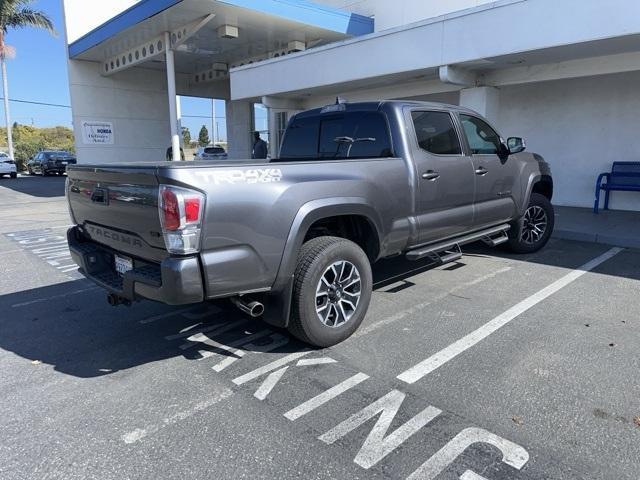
338 294
534 225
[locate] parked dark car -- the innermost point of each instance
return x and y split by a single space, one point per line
49 162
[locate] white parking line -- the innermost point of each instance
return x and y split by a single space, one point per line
324 397
140 433
54 297
421 306
165 315
309 362
247 377
200 338
277 341
270 382
434 362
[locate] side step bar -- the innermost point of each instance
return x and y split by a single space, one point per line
450 251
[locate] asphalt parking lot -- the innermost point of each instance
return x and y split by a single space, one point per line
496 367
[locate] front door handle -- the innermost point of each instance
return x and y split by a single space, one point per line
481 171
431 175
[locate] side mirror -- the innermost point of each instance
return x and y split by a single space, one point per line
516 145
503 152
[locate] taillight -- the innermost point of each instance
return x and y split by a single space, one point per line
192 209
181 212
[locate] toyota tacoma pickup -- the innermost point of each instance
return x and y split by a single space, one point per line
292 239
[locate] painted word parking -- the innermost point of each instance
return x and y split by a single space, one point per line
307 367
47 245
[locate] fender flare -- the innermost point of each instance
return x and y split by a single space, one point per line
279 301
533 179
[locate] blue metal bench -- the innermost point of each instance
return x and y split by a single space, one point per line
624 177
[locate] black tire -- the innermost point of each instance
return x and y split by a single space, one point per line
521 238
14 175
315 259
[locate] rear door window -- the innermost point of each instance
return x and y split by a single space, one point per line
436 133
301 139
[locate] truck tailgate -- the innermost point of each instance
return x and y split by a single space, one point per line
117 206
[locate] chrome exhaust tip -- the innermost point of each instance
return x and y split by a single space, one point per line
250 307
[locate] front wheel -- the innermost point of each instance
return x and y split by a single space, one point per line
534 229
14 175
332 291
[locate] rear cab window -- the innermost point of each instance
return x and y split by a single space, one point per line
337 136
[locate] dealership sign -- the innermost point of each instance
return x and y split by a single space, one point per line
97 133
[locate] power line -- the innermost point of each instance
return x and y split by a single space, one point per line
37 103
199 116
46 104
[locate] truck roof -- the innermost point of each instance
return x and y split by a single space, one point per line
373 106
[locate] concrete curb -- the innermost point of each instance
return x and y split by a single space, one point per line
612 240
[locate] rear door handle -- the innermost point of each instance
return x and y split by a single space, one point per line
431 175
481 171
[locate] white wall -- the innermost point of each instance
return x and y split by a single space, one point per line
468 37
82 16
580 127
135 101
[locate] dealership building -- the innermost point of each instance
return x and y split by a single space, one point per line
565 75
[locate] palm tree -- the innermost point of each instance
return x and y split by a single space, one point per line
16 14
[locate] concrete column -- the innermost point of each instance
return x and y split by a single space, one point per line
484 100
240 127
179 118
272 125
275 106
171 90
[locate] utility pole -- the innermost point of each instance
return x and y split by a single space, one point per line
213 120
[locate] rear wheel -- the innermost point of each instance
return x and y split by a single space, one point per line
332 291
533 230
14 175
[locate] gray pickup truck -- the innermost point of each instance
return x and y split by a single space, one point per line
292 240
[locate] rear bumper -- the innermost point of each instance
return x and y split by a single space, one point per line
55 168
175 281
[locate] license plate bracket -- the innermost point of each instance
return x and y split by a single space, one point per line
122 264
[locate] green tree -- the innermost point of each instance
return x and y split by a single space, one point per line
186 137
203 136
16 14
30 140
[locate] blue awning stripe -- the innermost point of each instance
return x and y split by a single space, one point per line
300 11
140 12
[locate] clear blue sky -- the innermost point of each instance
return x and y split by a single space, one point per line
39 73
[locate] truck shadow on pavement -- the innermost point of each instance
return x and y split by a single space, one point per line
71 327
